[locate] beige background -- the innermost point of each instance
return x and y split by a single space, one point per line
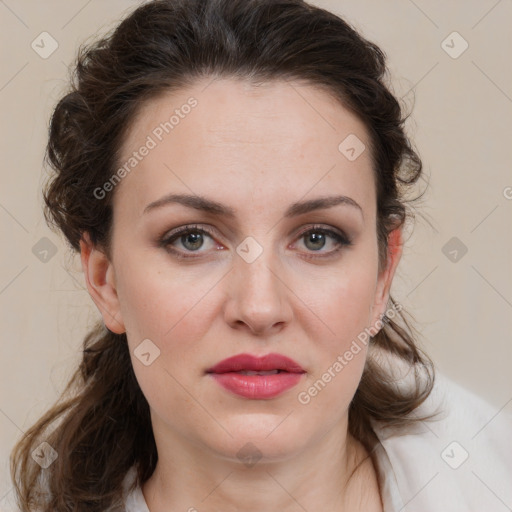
461 124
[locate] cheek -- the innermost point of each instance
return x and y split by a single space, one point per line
345 308
347 314
344 303
170 310
350 303
156 302
175 310
345 299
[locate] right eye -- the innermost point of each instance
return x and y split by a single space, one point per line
191 238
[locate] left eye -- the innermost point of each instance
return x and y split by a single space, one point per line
315 239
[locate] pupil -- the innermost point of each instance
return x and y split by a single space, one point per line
318 237
194 238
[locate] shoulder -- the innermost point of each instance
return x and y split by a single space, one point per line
461 460
133 498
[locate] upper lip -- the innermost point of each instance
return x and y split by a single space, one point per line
248 362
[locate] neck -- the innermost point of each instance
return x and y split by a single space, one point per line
333 474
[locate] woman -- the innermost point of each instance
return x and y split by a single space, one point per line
233 174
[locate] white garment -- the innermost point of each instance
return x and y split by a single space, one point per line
461 462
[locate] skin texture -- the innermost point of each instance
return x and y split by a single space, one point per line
256 150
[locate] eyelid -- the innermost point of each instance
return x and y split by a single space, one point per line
326 229
170 236
338 235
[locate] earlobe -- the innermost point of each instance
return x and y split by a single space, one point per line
100 281
395 247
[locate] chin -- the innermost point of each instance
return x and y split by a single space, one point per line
260 438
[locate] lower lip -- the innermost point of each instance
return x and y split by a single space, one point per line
257 387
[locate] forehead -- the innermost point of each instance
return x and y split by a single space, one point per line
240 140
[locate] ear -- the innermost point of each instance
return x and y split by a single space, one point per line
385 278
100 280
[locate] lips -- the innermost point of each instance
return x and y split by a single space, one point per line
257 378
273 363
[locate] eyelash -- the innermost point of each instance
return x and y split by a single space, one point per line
166 241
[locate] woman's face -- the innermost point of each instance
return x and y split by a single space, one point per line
271 273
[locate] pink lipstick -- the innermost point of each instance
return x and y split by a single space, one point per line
257 378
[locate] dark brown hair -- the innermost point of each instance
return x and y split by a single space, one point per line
101 425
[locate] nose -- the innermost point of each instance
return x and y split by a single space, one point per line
258 297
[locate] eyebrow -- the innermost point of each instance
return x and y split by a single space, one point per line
215 208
